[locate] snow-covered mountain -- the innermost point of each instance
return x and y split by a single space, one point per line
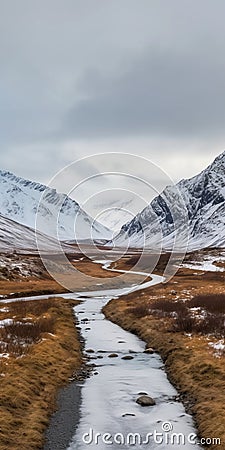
114 218
58 215
194 207
14 236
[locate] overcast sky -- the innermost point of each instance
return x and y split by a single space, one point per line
84 76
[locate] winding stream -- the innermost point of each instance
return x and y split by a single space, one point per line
109 411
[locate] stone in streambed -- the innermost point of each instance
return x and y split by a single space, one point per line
127 357
113 355
149 350
128 414
145 400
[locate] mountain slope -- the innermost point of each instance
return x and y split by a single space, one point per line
197 204
19 200
14 236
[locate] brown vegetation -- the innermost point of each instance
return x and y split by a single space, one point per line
162 316
215 303
208 318
38 282
45 338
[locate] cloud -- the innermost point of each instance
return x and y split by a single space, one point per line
159 93
81 77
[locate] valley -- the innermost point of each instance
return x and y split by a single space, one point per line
97 326
191 356
112 225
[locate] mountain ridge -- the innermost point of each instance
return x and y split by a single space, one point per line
59 216
197 203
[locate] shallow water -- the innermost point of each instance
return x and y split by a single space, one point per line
109 395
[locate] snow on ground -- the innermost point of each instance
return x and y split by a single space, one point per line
4 355
198 313
5 322
14 266
219 346
207 264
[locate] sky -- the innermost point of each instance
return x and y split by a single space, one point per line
80 77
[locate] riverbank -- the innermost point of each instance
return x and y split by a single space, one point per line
65 419
192 361
40 351
24 275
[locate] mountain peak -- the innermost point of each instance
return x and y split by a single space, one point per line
203 197
218 165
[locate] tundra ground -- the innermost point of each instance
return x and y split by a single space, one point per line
183 320
40 350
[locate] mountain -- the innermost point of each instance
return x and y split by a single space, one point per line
14 236
114 217
193 208
19 201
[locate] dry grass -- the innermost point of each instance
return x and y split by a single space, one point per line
88 275
140 310
207 325
29 383
17 337
29 287
30 321
215 303
190 362
210 317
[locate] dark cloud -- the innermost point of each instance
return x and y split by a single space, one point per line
159 93
76 70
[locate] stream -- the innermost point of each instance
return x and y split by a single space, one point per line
109 411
